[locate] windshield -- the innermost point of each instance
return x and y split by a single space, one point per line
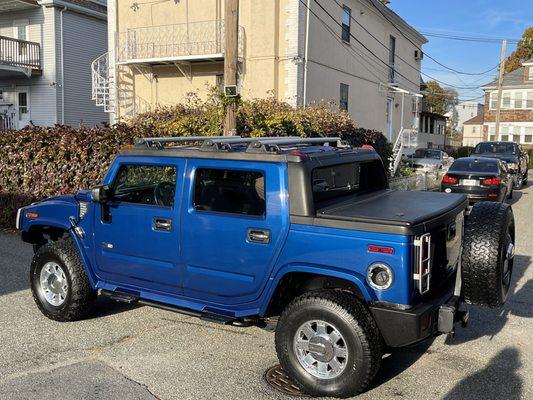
343 179
496 148
475 165
426 153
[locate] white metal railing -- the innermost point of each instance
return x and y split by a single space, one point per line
177 40
20 53
407 139
102 85
8 116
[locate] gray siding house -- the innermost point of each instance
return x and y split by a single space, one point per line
46 50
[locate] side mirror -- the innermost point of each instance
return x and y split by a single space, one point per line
100 194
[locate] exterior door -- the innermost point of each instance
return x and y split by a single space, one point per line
390 105
232 229
136 238
21 32
23 107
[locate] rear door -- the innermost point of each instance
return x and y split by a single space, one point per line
137 232
232 228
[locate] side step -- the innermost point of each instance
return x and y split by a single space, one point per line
208 315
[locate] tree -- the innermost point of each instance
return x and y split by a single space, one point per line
439 100
523 52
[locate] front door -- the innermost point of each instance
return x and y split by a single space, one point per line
137 231
233 227
23 107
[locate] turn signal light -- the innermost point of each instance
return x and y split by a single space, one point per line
380 249
32 215
491 181
448 179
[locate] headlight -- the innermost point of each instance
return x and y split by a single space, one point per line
84 209
512 165
379 276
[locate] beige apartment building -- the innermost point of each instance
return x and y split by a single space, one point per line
358 53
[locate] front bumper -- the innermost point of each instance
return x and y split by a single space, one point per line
430 318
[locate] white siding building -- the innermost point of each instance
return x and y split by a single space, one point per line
463 112
46 49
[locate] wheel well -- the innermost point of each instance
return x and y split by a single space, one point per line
295 284
39 235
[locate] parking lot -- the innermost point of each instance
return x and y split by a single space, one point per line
133 352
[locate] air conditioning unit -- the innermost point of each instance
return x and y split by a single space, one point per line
419 55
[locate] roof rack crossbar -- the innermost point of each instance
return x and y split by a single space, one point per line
260 145
160 141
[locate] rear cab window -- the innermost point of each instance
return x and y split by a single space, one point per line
335 182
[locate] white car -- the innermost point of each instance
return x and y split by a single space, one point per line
429 160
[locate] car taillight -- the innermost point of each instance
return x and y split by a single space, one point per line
491 181
448 179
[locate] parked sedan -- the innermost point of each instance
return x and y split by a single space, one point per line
429 160
482 179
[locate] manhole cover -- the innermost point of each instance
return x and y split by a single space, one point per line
278 379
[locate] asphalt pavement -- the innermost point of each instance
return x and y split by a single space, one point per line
132 352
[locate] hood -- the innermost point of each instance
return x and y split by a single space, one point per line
510 158
69 198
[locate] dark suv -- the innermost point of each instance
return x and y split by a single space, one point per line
303 235
512 154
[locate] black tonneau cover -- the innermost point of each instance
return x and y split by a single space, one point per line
409 212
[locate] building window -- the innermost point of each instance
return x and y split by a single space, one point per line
504 138
531 73
230 191
506 100
346 23
528 138
529 100
344 92
473 129
493 100
392 57
518 103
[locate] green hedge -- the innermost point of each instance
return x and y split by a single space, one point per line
39 162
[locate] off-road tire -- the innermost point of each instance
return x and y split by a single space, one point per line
488 230
80 294
354 322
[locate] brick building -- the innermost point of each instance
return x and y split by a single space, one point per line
516 118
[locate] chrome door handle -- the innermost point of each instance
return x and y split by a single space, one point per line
256 235
162 224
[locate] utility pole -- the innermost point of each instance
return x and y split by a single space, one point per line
231 22
500 86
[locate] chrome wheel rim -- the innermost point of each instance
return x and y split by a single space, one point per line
321 349
54 284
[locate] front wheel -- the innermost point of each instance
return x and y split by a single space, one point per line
59 283
329 344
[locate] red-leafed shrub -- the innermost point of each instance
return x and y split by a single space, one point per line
37 162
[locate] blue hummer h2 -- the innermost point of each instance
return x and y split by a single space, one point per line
300 235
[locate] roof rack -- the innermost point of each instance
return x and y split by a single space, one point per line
226 143
269 145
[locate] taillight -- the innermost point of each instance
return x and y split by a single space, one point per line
448 179
491 181
380 249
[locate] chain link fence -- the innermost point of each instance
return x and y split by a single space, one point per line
428 181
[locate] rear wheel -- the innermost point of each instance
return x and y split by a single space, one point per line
328 343
59 283
488 251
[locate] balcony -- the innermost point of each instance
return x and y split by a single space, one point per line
19 58
189 42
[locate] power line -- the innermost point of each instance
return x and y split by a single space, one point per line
469 38
378 58
430 57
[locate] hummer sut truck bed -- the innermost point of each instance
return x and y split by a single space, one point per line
299 235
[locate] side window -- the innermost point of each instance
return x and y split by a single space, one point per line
230 191
145 184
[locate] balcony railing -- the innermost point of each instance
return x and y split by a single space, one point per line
20 53
166 42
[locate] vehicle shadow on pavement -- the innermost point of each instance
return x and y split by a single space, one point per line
489 322
498 380
517 195
105 306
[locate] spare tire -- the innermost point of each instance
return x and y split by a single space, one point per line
488 250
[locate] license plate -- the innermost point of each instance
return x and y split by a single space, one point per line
469 182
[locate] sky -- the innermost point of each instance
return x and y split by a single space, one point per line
466 18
